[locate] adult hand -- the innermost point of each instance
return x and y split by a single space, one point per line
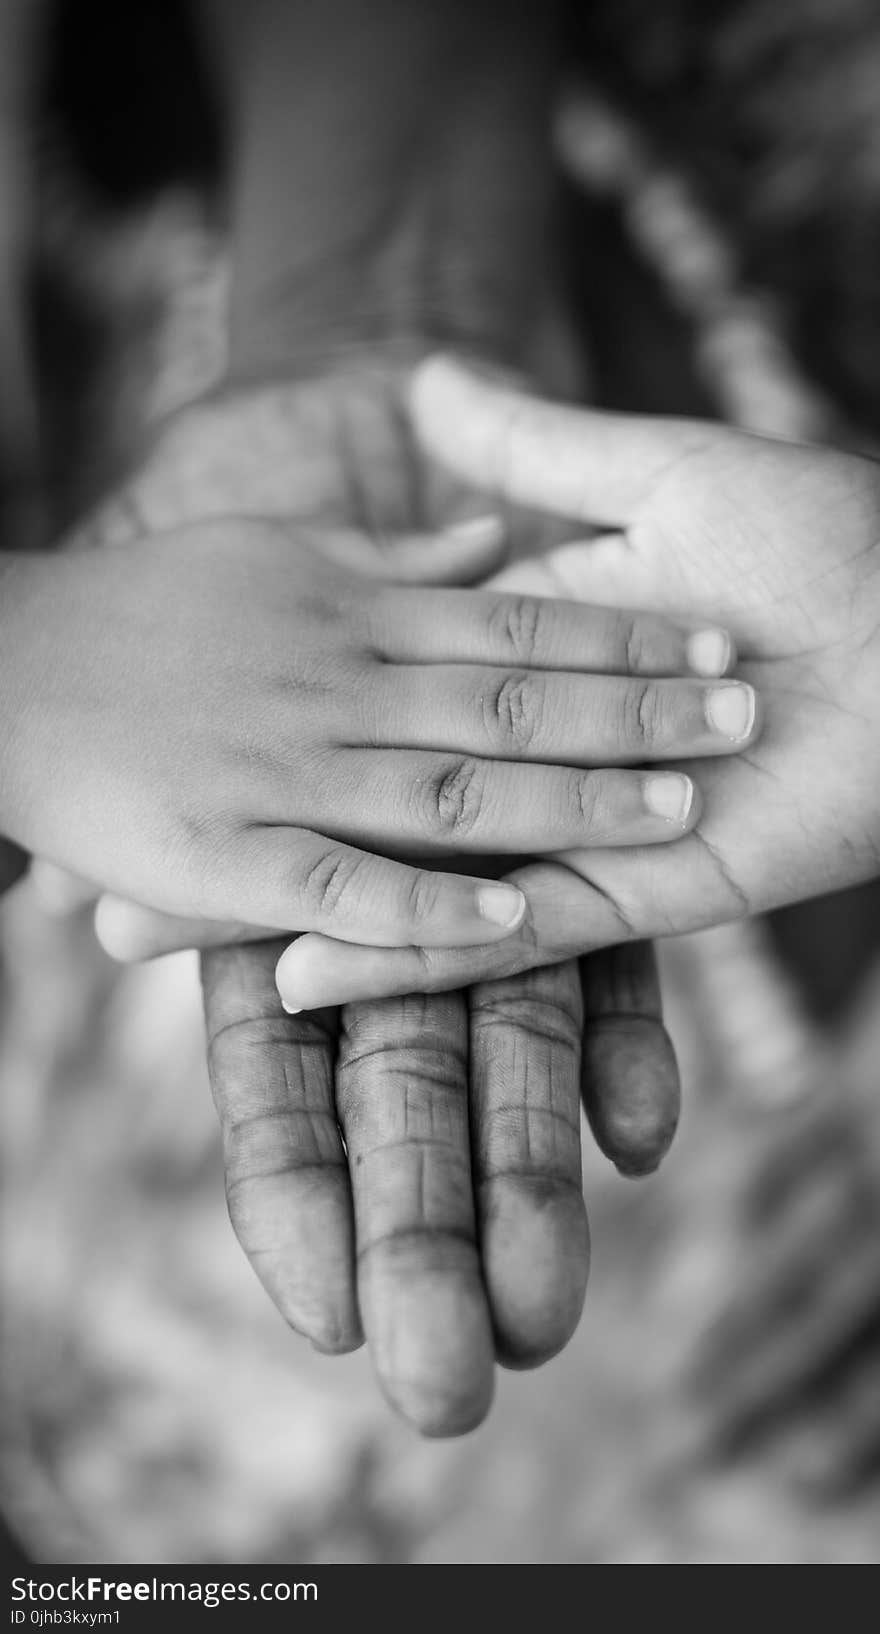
781 543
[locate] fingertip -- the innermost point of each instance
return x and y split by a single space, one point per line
674 798
119 930
632 1091
536 1257
478 532
316 973
710 652
501 906
432 374
337 1336
430 1336
444 396
695 809
287 973
333 1331
461 553
733 712
473 549
640 1166
296 1228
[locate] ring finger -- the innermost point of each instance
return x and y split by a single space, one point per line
440 804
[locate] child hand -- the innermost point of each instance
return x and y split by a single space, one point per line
217 722
778 542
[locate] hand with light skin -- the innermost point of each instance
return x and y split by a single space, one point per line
781 542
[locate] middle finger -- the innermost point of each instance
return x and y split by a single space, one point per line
402 1101
525 1113
556 716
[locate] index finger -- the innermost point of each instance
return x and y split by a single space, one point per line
494 627
286 1172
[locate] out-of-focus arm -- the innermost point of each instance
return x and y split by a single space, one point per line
391 176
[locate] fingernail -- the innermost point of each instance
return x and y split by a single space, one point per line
709 652
669 795
730 710
477 530
501 905
291 1009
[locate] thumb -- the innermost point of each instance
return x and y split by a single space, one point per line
588 466
604 571
463 552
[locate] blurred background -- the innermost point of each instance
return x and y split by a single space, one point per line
721 1400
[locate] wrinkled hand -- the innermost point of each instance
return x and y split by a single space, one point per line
780 543
450 1226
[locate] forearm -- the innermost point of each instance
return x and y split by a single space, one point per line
391 176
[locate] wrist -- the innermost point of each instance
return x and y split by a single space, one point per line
391 182
353 316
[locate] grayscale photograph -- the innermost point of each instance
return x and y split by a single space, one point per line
439 797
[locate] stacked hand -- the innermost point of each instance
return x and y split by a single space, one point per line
410 1168
778 542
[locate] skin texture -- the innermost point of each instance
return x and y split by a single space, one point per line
455 1231
311 729
781 542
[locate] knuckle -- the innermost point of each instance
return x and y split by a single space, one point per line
330 883
514 711
201 846
422 896
643 717
586 799
636 645
521 624
454 799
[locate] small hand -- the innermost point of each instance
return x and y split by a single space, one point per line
253 712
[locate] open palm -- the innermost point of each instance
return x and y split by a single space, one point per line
780 543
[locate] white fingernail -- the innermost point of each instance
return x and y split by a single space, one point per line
730 710
477 530
669 795
501 905
709 652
